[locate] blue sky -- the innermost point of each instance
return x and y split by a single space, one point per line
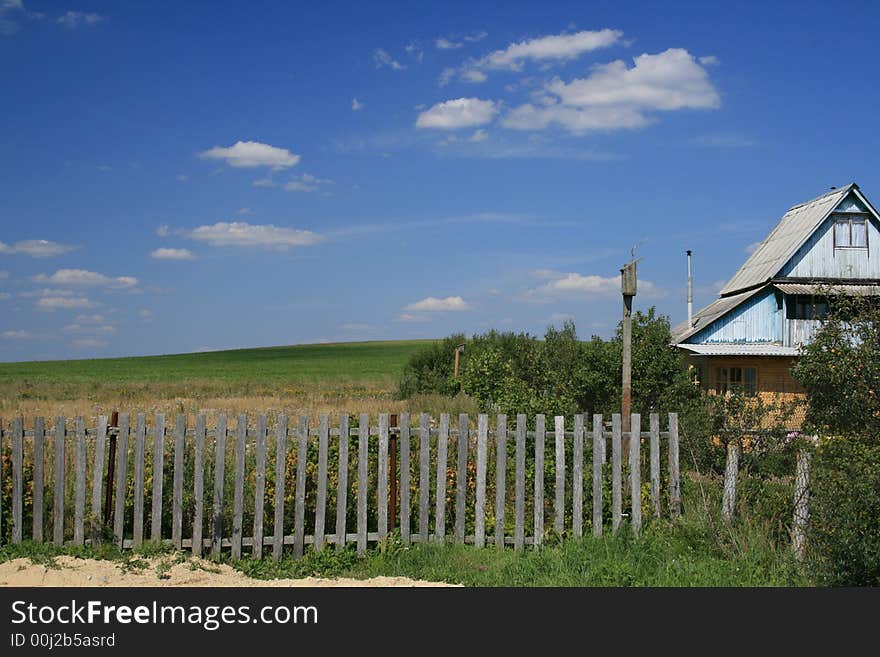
185 176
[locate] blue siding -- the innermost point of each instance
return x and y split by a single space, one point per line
755 321
818 258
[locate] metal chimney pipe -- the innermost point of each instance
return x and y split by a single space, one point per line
690 291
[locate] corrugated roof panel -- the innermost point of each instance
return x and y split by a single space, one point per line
849 290
740 349
790 233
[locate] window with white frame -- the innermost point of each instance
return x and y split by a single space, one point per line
850 232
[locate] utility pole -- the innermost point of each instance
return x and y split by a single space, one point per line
628 289
458 350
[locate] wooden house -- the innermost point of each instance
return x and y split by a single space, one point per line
750 336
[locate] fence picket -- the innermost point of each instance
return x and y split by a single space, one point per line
259 488
731 470
17 476
674 489
98 479
219 478
198 485
405 478
577 478
480 505
539 478
801 503
58 502
635 472
616 491
121 470
559 490
139 439
39 479
238 490
424 474
321 500
158 477
500 478
461 477
363 454
520 484
598 457
382 476
79 499
280 477
440 492
1 477
342 481
655 464
177 483
299 501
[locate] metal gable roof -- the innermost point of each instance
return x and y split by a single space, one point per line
784 240
740 349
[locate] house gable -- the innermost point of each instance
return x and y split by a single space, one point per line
758 320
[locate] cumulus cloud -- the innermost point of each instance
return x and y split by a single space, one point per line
241 233
172 254
410 317
561 284
163 230
615 96
251 154
478 136
64 303
553 47
383 60
306 183
15 335
433 304
356 105
74 19
100 329
85 278
445 44
36 248
458 113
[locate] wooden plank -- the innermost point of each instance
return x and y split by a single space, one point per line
299 498
424 474
158 477
559 490
405 478
219 477
480 504
259 487
58 475
363 471
520 484
198 485
79 497
342 481
17 477
121 471
616 475
280 481
321 499
674 490
461 477
655 464
635 472
177 483
139 439
238 488
801 503
500 478
577 478
440 483
731 470
39 478
98 479
382 476
539 479
598 457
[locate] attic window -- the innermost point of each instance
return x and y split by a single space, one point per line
850 233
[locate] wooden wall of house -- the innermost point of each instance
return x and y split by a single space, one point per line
755 321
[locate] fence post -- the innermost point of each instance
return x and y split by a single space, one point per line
655 464
480 504
635 462
801 503
17 477
440 483
598 458
731 470
674 485
559 490
539 479
39 458
616 492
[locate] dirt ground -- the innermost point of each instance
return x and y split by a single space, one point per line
72 571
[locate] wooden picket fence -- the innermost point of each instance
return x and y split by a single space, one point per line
421 450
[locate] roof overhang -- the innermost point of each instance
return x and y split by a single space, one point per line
825 289
743 349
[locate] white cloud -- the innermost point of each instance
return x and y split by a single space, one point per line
64 303
306 183
245 211
476 36
382 59
615 96
250 154
90 319
46 292
356 105
409 317
36 248
172 254
85 278
474 76
163 230
445 44
578 285
264 182
433 304
709 60
446 76
458 113
241 233
478 136
74 19
103 329
415 51
15 335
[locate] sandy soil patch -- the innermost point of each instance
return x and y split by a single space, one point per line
72 571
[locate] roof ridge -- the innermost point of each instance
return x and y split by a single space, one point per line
833 190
